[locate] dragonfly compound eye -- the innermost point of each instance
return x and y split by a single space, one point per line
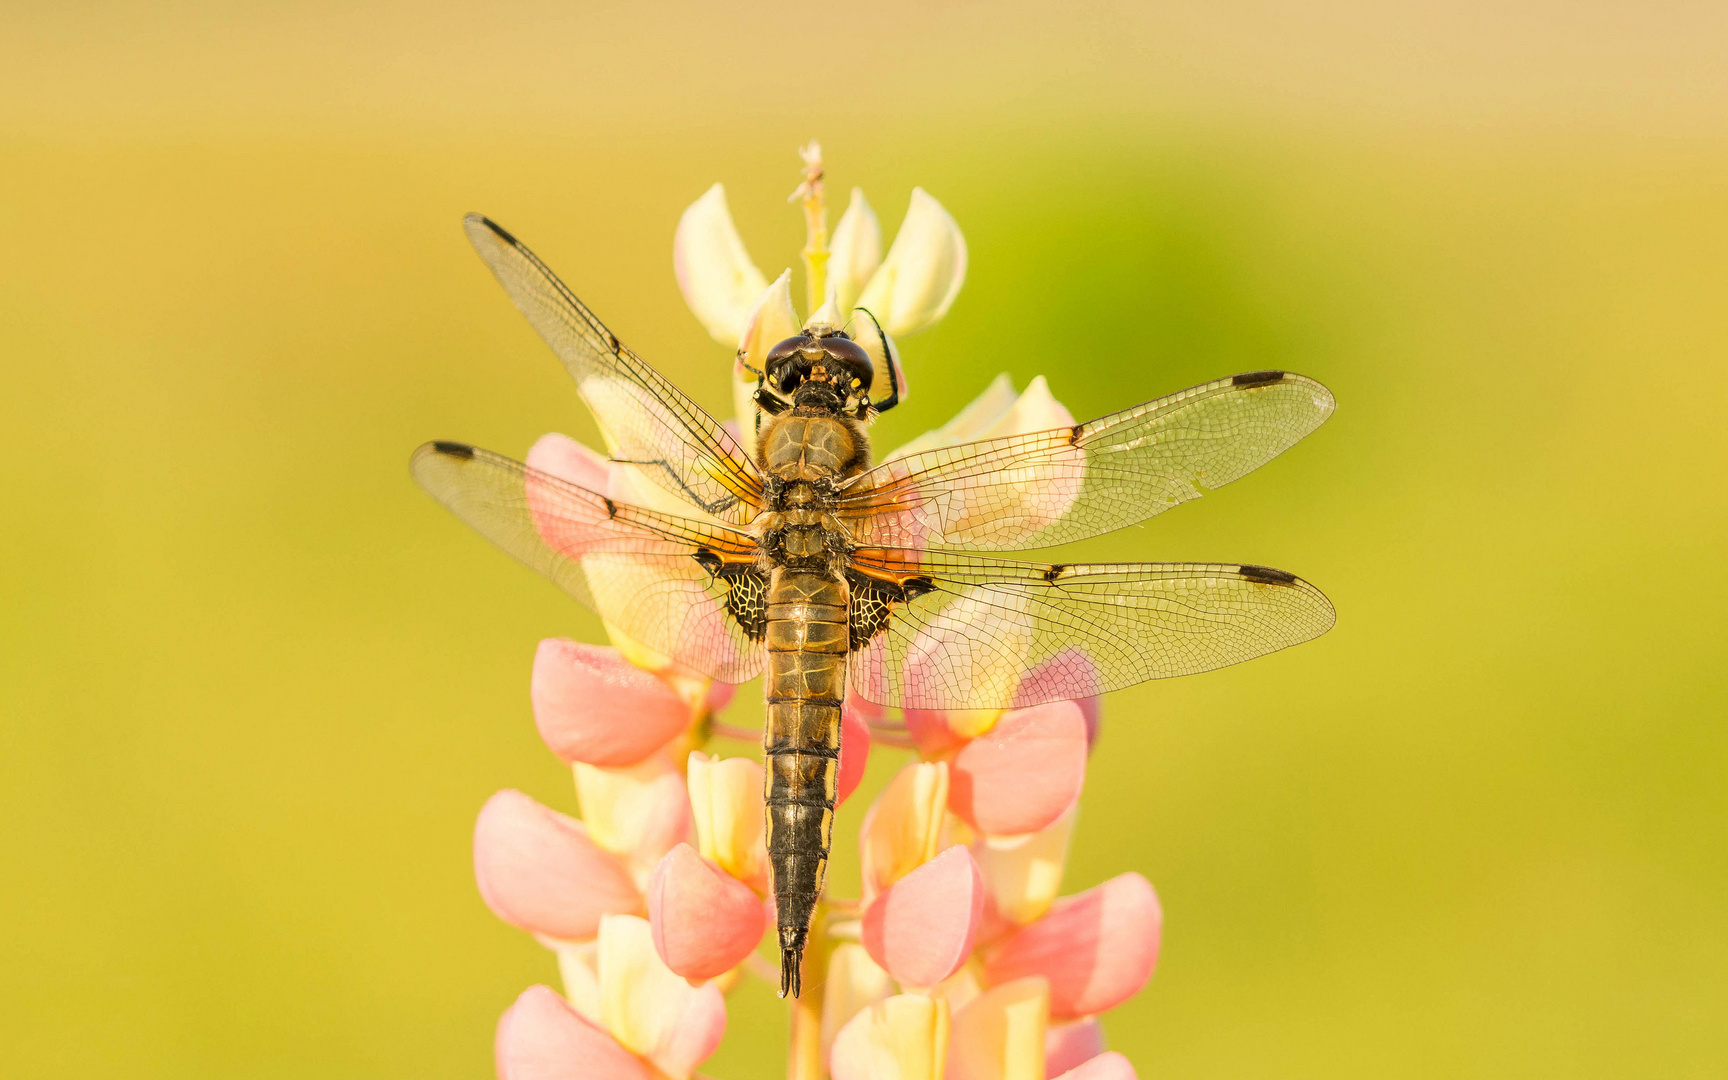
853 360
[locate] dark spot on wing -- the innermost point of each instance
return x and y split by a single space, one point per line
499 229
1074 435
709 561
1257 378
611 507
918 586
1265 575
454 449
1055 571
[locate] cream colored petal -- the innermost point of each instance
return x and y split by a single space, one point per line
854 984
1000 1034
714 271
726 799
904 825
1036 409
826 318
980 414
654 1013
1024 873
854 251
639 811
771 321
925 267
902 1038
576 965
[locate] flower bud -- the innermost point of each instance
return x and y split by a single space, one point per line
705 921
651 1011
726 800
639 811
1097 948
854 983
854 252
1000 1034
541 1038
538 870
1022 774
903 826
925 267
921 928
593 705
1024 873
904 1037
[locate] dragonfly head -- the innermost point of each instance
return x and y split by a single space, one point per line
829 371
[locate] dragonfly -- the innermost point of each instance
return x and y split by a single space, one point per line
802 561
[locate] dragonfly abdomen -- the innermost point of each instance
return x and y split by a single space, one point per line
806 680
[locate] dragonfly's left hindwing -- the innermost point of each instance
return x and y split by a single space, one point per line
685 588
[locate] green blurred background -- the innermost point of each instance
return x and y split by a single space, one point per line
254 685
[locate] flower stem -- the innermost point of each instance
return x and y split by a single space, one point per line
815 227
804 1062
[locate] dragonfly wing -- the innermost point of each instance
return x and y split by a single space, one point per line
1052 487
684 588
646 420
975 633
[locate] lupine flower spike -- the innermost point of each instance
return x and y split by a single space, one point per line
960 961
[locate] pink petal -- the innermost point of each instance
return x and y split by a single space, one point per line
931 733
1097 948
1068 1045
1092 708
921 929
1022 774
705 921
592 705
1106 1066
541 1037
567 459
854 748
538 870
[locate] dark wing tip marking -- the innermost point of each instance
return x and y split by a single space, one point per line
503 234
1265 575
1257 378
453 449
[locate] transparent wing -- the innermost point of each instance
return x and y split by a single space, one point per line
978 633
1052 487
660 579
646 420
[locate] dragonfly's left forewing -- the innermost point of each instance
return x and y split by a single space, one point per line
976 633
647 421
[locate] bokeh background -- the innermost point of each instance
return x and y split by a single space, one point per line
254 685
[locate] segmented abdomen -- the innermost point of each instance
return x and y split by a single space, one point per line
806 681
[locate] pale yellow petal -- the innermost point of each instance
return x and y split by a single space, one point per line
726 800
1024 873
652 1012
980 414
904 825
1036 409
638 811
714 271
854 983
854 251
925 267
771 321
904 1037
577 962
1000 1034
